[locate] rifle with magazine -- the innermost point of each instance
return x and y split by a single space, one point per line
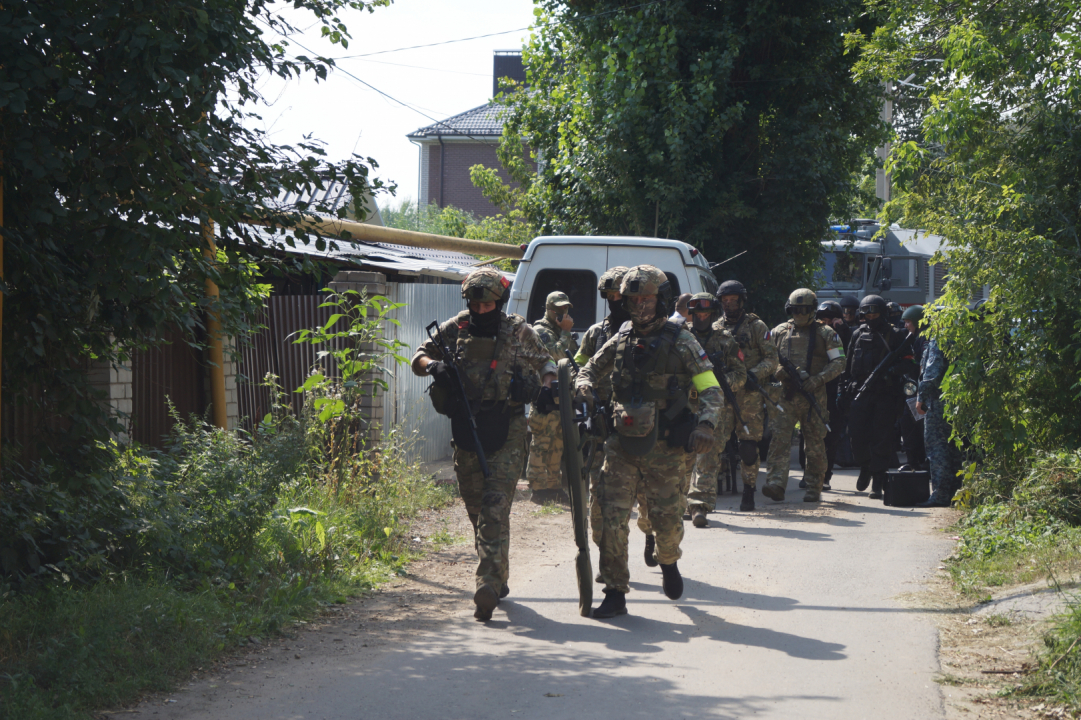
885 366
793 377
458 387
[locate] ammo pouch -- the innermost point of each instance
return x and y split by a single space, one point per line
680 429
444 401
493 427
637 427
523 388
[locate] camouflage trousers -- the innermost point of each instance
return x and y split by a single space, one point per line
684 487
703 486
942 455
488 502
753 409
798 410
656 477
545 452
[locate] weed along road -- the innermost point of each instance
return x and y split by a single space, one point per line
793 611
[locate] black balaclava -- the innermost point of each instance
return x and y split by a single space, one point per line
878 324
617 313
702 326
485 324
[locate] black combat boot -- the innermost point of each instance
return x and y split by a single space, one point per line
651 545
504 591
863 480
746 504
615 603
878 482
486 598
672 582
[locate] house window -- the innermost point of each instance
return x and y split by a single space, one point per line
580 286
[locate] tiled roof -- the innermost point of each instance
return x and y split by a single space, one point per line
483 121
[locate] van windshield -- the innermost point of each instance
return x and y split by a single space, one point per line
843 270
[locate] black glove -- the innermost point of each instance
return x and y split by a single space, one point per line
546 403
441 374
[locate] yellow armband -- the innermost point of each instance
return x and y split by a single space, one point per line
581 359
704 381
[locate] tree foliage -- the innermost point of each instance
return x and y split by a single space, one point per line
994 167
732 125
123 133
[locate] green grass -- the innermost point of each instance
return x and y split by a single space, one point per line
1056 559
69 649
550 508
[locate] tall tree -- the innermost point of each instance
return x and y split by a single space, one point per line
122 133
733 125
993 163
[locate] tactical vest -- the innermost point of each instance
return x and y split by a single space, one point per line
641 381
487 379
868 349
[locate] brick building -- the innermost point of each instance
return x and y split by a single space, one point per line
450 147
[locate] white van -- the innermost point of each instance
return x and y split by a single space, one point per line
573 264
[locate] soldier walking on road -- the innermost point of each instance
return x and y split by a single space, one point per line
831 315
592 341
760 358
871 420
503 366
546 446
653 364
814 351
727 360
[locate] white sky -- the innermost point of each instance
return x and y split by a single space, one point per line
455 77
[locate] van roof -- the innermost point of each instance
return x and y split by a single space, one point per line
659 243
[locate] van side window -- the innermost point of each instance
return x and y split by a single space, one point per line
906 272
709 283
580 286
676 292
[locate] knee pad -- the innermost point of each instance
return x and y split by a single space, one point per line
748 452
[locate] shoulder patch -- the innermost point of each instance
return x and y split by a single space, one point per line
768 335
739 352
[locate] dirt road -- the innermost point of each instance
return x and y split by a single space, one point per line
793 611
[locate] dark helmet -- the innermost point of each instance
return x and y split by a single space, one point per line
732 287
829 309
873 304
894 309
849 301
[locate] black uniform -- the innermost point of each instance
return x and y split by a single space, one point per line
837 416
872 420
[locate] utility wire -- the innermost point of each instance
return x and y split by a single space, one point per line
495 34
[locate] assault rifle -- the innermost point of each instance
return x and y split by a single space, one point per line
797 383
459 389
592 428
885 366
730 397
757 387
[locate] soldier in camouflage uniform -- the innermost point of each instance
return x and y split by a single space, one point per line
653 364
504 366
592 341
760 358
942 454
546 446
724 353
816 351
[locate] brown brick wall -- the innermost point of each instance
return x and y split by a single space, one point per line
458 189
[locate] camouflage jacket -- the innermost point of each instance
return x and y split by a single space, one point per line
827 358
590 345
724 354
521 350
555 339
686 359
759 353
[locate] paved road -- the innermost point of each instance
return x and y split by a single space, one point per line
790 612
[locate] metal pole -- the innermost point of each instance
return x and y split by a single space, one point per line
213 329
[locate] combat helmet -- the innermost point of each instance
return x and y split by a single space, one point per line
913 313
849 301
873 304
703 301
485 285
611 279
648 280
732 287
801 297
830 309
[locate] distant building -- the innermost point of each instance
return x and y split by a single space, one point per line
450 147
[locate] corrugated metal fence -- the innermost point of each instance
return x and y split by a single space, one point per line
406 401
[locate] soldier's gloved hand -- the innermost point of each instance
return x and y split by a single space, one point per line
701 438
546 402
585 395
804 375
812 383
441 374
